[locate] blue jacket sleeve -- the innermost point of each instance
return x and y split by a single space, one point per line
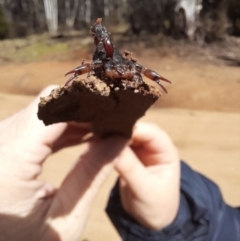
202 215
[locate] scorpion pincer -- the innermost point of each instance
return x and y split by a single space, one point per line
109 65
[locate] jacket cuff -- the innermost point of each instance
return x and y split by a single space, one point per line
130 230
200 216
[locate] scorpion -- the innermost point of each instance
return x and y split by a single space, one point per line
109 65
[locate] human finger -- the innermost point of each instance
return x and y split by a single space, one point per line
32 140
150 137
152 144
24 134
73 200
74 134
132 170
59 135
36 128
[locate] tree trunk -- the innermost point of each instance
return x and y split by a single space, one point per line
9 18
51 11
88 12
71 14
38 8
106 8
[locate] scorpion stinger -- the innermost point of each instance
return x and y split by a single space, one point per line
101 35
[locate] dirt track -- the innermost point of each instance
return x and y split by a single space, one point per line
195 85
202 117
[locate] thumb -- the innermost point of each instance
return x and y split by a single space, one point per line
131 169
72 202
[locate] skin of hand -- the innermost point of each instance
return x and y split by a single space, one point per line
150 177
31 209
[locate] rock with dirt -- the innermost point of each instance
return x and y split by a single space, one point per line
111 110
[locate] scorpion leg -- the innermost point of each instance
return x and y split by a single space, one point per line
152 75
82 69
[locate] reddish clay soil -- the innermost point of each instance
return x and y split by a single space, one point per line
195 84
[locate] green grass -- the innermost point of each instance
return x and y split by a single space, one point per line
33 48
42 47
40 50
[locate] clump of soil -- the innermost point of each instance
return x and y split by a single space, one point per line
110 109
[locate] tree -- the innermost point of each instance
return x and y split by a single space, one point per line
6 6
234 16
3 24
51 12
71 13
88 11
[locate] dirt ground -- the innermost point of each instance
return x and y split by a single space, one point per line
201 113
195 84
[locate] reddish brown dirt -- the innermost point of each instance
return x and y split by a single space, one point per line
195 84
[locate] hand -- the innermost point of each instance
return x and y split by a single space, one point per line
150 177
31 209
